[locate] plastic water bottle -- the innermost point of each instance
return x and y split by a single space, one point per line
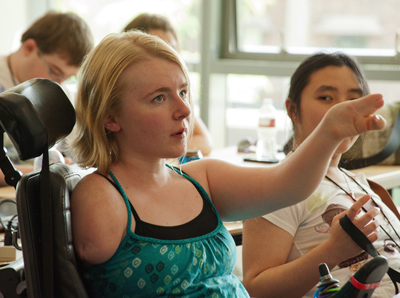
266 131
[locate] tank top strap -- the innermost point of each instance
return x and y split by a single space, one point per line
131 209
197 184
109 180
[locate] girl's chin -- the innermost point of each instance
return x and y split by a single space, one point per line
177 154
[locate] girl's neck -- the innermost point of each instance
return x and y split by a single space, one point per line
141 170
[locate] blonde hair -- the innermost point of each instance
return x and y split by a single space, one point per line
101 87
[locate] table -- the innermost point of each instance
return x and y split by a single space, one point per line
7 192
234 227
18 253
387 176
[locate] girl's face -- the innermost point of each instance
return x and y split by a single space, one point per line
328 86
153 118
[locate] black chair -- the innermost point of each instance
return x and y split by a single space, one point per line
66 282
35 115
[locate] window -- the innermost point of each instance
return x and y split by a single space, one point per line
245 94
265 40
107 16
300 27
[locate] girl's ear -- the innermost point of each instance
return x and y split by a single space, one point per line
291 110
111 125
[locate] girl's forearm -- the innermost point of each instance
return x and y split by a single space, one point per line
293 279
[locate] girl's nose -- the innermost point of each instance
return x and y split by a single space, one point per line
183 109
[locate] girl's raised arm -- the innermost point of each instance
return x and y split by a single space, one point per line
240 192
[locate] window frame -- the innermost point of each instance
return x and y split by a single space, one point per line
375 67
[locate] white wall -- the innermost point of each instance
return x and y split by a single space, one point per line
16 17
13 22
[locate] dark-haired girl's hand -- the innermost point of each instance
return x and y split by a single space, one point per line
343 246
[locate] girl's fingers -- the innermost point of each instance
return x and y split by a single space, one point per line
369 228
355 208
355 117
365 223
375 122
368 104
374 235
367 217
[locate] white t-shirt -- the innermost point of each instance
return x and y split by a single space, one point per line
309 223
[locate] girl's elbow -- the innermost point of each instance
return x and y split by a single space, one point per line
249 282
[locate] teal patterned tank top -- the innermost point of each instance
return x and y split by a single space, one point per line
148 267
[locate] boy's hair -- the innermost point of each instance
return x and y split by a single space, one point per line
65 34
100 89
147 21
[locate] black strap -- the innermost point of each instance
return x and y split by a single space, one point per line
133 210
357 236
47 227
390 147
363 242
109 180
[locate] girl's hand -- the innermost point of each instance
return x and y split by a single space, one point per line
343 247
354 117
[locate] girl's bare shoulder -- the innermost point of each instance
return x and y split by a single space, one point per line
95 186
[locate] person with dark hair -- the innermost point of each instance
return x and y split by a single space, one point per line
53 47
144 228
282 250
160 26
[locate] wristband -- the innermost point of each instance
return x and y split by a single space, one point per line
361 286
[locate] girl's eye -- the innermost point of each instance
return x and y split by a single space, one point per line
159 98
183 94
325 97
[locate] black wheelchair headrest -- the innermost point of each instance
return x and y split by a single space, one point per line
35 115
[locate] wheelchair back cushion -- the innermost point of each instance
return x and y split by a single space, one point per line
67 281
